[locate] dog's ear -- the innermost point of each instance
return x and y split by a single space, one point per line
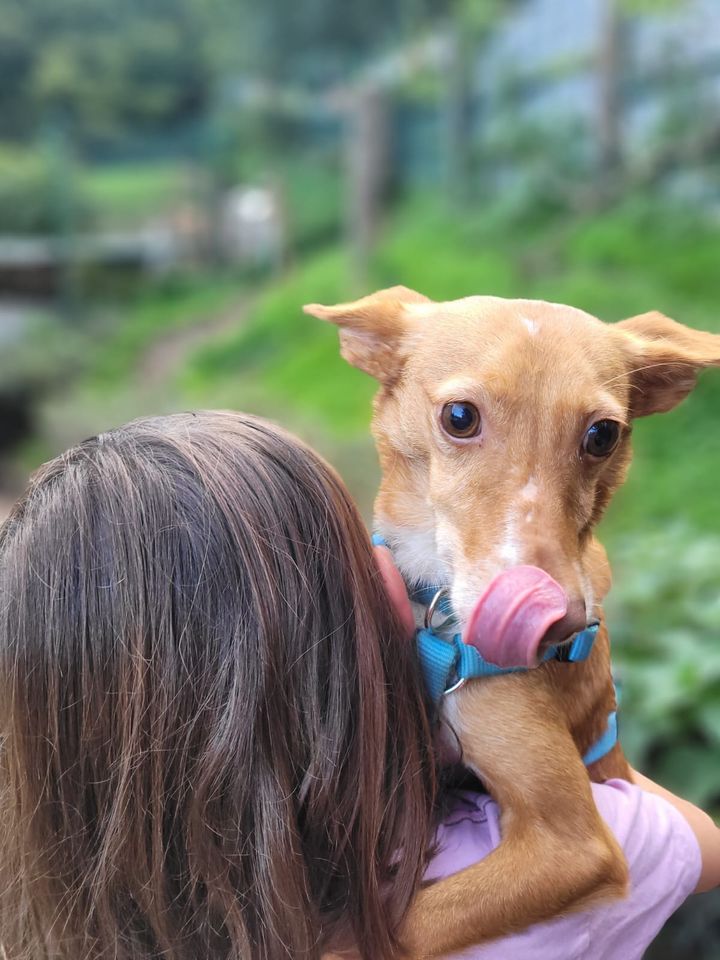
665 360
371 329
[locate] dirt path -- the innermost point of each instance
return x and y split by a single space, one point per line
166 355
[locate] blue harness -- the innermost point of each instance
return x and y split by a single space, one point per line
448 663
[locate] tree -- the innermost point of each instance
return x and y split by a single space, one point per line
102 68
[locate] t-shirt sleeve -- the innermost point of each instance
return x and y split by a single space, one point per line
664 860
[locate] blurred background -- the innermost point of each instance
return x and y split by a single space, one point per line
178 177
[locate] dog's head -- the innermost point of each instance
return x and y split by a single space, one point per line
503 429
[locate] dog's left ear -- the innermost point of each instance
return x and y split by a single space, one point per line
665 360
371 329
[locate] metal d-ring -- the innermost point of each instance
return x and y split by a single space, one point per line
429 614
456 686
432 607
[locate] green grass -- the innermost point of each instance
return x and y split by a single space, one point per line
123 194
286 358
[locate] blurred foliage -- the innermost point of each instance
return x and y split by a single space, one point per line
101 68
48 354
311 188
130 193
664 615
322 42
108 70
275 355
313 198
88 378
38 193
648 6
176 305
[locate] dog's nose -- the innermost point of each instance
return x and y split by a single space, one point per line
573 622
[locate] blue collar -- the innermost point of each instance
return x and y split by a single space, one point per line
448 663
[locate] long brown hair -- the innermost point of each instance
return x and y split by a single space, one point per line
213 736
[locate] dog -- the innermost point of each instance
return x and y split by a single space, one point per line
503 428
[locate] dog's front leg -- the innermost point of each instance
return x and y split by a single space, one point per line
556 853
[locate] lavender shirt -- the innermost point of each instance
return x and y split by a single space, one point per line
661 850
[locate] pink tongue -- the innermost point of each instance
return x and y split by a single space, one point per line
514 614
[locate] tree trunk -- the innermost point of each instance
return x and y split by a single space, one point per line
610 71
369 165
459 117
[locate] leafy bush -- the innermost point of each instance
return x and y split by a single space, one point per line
664 615
38 194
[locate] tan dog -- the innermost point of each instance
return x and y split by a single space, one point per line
503 428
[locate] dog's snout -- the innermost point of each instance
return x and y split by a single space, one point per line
573 622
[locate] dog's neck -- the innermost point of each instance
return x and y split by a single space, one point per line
415 553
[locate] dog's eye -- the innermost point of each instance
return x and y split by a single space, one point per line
461 419
602 438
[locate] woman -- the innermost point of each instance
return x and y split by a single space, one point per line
214 741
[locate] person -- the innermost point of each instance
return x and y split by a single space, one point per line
213 732
213 742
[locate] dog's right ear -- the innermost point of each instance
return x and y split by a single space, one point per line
666 358
371 329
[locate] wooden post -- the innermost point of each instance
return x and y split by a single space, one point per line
61 172
369 172
459 116
609 103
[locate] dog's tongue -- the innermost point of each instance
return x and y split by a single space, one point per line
514 614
